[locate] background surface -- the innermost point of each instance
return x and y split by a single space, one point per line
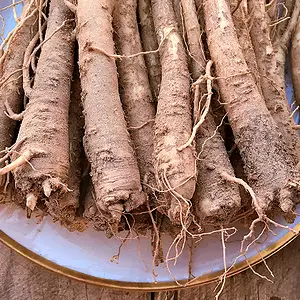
23 280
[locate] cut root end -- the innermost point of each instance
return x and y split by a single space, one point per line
31 201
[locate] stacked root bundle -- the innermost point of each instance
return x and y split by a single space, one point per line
153 115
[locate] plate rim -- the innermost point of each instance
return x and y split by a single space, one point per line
147 286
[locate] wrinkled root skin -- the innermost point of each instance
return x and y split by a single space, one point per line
215 200
45 124
268 162
108 147
174 169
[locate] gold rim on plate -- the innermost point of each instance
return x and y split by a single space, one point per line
147 286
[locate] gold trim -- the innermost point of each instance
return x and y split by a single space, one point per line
145 286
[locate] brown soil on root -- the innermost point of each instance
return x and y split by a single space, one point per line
270 77
65 209
269 166
215 199
242 22
134 87
45 125
175 170
11 83
295 62
107 144
149 42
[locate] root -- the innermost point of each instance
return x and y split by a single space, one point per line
21 160
264 261
47 187
115 258
199 61
28 57
17 20
242 216
279 21
282 41
240 181
178 239
11 114
2 31
40 9
157 240
262 217
149 42
5 80
11 35
236 7
191 260
10 150
294 111
71 6
254 241
211 137
89 47
184 220
140 126
7 180
181 238
15 3
197 100
31 201
225 235
206 108
139 253
33 64
223 277
27 61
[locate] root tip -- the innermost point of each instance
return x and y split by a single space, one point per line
31 201
47 188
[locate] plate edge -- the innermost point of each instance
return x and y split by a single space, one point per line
147 286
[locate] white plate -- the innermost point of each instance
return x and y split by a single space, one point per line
90 252
87 256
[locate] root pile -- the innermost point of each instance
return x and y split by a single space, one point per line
158 115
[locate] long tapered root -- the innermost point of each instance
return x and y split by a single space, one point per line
114 168
173 124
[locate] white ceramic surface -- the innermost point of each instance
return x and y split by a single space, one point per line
90 252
